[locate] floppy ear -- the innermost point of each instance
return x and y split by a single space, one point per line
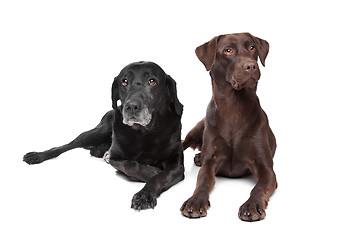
262 47
171 93
115 95
206 53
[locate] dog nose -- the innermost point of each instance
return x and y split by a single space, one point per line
250 66
132 107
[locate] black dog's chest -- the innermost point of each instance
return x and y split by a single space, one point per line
152 145
136 146
145 148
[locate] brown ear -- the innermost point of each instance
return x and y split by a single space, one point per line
262 47
206 53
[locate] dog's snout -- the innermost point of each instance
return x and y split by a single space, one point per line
251 66
132 107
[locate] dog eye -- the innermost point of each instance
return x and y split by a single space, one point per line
152 82
228 51
124 82
252 48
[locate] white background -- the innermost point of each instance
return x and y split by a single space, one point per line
58 61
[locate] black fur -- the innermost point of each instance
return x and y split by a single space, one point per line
141 136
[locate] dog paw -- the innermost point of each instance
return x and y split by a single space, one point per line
197 159
195 207
252 210
34 158
143 200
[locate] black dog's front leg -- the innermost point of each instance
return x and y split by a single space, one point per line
157 181
146 197
134 169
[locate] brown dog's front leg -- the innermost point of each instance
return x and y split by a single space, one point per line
199 203
254 208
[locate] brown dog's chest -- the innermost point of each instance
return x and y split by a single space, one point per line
240 150
235 118
239 130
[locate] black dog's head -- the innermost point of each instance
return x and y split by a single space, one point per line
143 89
234 56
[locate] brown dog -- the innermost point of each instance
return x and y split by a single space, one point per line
234 138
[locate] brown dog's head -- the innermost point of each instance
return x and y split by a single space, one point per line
234 57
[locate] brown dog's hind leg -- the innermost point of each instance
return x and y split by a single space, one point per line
194 139
197 159
254 208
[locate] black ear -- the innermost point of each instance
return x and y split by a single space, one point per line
171 93
115 95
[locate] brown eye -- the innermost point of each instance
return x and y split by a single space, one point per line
152 82
124 82
228 51
252 48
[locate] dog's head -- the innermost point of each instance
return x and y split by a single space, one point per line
141 90
234 57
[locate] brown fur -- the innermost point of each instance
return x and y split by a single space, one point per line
234 138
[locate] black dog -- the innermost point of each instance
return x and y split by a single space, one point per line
141 137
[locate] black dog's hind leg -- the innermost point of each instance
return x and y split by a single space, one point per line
96 140
86 140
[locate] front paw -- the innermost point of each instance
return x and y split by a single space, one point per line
195 207
34 158
143 200
252 210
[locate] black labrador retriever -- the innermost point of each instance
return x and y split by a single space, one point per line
141 136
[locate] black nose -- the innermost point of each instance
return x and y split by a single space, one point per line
250 66
132 107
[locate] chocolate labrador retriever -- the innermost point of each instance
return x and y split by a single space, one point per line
141 136
234 138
